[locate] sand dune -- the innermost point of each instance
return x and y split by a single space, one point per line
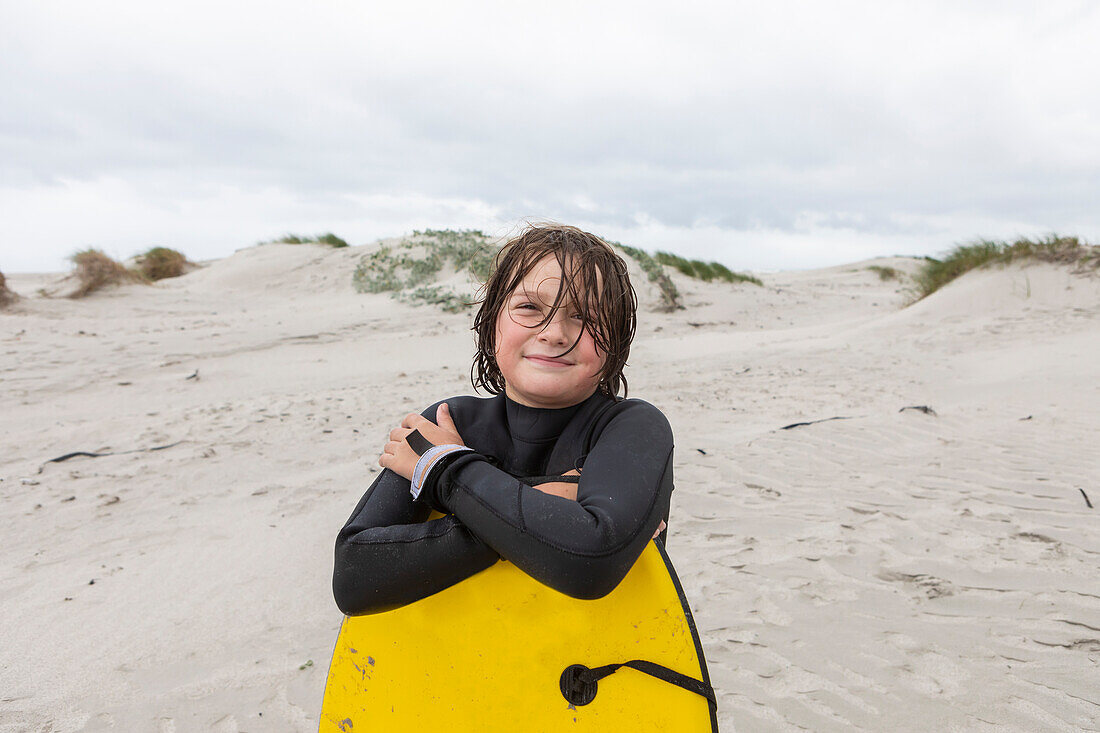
896 569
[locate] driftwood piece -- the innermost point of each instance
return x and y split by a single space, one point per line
74 454
812 422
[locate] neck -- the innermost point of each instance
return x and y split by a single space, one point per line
548 404
538 424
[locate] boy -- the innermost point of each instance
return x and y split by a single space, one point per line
555 473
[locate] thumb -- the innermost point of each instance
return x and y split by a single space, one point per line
443 416
446 422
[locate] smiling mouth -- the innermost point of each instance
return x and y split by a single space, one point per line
548 361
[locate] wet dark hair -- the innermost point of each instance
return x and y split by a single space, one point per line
609 307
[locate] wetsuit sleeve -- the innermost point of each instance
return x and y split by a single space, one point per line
585 547
388 556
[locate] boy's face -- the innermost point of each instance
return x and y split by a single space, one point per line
525 353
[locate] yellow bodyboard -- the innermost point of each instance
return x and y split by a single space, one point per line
488 654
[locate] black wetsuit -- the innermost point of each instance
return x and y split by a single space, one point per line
387 555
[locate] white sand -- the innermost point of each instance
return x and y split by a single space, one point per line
891 571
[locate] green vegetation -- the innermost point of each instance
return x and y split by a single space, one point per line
724 273
95 270
329 238
982 253
435 295
670 296
405 269
887 273
704 270
685 266
7 297
159 263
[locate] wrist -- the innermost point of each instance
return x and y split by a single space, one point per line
428 462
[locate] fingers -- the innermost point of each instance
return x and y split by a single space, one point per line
389 451
413 420
398 434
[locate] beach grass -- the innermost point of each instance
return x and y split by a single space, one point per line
95 270
706 271
724 273
407 267
986 252
328 238
159 263
7 297
670 295
887 273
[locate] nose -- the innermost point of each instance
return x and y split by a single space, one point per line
554 332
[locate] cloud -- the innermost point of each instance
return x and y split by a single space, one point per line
897 123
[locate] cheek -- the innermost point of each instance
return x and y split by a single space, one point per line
498 346
596 349
593 354
589 343
507 340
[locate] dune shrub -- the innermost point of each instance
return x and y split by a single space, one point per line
703 271
407 267
886 273
982 253
7 297
94 270
328 238
436 295
159 263
706 271
724 273
675 261
670 295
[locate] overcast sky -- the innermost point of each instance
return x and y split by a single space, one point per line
764 135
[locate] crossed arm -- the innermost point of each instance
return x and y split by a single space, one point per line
387 555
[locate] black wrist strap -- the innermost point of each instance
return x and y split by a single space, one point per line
418 442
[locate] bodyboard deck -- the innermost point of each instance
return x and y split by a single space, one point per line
489 653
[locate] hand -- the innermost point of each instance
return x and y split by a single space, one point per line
569 491
561 488
398 455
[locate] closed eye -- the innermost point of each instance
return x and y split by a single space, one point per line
527 310
532 306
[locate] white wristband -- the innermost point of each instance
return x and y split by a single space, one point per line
425 463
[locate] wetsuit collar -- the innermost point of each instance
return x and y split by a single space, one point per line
533 424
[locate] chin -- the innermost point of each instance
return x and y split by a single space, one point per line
546 393
573 392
